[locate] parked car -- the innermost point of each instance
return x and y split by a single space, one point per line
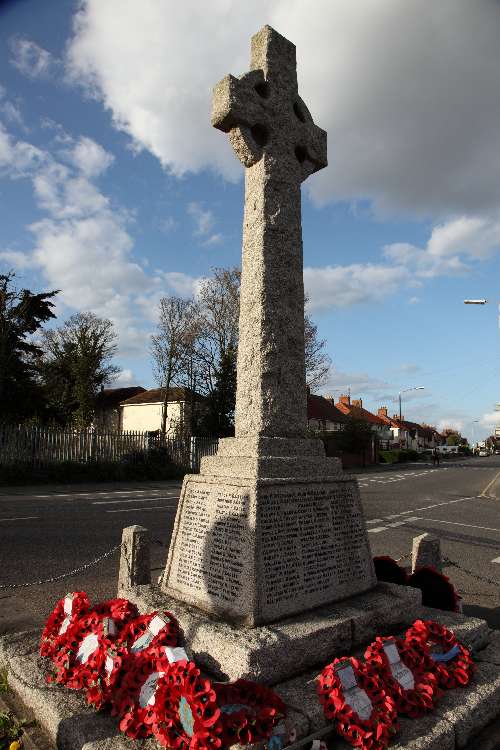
484 452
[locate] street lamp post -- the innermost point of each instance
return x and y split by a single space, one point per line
406 390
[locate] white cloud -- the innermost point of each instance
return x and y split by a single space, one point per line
15 259
399 91
410 368
203 218
168 224
90 157
342 286
30 59
181 283
214 239
452 422
82 245
125 379
18 158
490 420
451 247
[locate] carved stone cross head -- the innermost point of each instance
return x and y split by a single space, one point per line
265 116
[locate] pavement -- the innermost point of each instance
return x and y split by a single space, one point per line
47 531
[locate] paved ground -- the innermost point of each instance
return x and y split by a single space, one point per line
46 531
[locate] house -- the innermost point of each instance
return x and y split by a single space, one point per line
356 410
408 434
323 415
400 431
143 412
107 408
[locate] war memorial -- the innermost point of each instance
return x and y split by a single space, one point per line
269 571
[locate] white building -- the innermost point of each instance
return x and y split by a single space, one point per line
144 411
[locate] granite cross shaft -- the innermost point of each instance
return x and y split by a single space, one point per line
274 136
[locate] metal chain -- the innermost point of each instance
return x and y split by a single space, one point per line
404 557
485 579
71 573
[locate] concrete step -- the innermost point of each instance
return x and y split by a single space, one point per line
460 717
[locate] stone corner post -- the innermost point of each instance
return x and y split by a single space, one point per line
135 565
426 551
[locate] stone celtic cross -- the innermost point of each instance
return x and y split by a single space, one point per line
274 136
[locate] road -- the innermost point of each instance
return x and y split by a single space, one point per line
45 532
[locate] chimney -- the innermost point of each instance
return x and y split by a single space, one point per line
382 412
345 399
358 402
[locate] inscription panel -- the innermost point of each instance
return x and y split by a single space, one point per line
312 544
212 550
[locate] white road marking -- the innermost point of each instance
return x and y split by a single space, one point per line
375 520
377 529
134 500
19 518
397 523
455 523
496 560
130 510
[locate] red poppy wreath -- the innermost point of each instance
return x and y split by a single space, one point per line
151 630
441 653
249 712
143 634
187 715
135 701
354 697
65 613
79 657
414 689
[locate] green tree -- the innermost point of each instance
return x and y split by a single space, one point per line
355 437
22 314
77 363
219 419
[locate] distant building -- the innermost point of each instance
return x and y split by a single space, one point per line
107 410
143 412
322 414
356 410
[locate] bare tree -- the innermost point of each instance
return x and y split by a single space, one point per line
318 362
171 344
219 301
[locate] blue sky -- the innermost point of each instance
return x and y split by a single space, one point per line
115 189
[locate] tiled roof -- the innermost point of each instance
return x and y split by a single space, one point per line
319 407
358 412
157 396
111 397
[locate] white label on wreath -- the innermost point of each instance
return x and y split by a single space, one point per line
175 654
68 610
399 671
354 696
109 665
148 690
156 624
109 626
142 642
87 648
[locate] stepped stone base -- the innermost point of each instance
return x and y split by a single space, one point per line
457 720
276 651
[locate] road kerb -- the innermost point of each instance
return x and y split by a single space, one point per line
485 492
